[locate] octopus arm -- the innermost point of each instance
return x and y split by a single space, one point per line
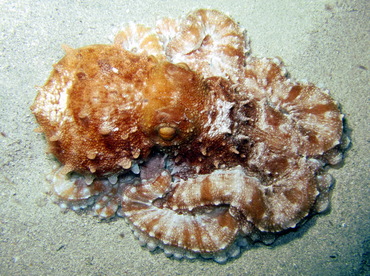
139 39
313 114
290 198
210 43
101 196
167 28
209 231
273 206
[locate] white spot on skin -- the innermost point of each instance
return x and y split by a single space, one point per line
222 123
86 192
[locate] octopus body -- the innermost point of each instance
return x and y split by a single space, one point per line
199 145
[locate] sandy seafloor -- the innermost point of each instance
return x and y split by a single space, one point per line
323 41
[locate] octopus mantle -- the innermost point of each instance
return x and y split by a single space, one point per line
198 144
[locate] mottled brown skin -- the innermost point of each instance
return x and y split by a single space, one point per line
145 101
174 97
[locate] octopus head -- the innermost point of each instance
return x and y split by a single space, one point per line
173 100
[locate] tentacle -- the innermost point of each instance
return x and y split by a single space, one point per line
101 196
231 187
167 28
270 206
207 230
312 113
209 42
139 39
289 189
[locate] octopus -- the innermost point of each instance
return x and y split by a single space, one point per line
200 146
